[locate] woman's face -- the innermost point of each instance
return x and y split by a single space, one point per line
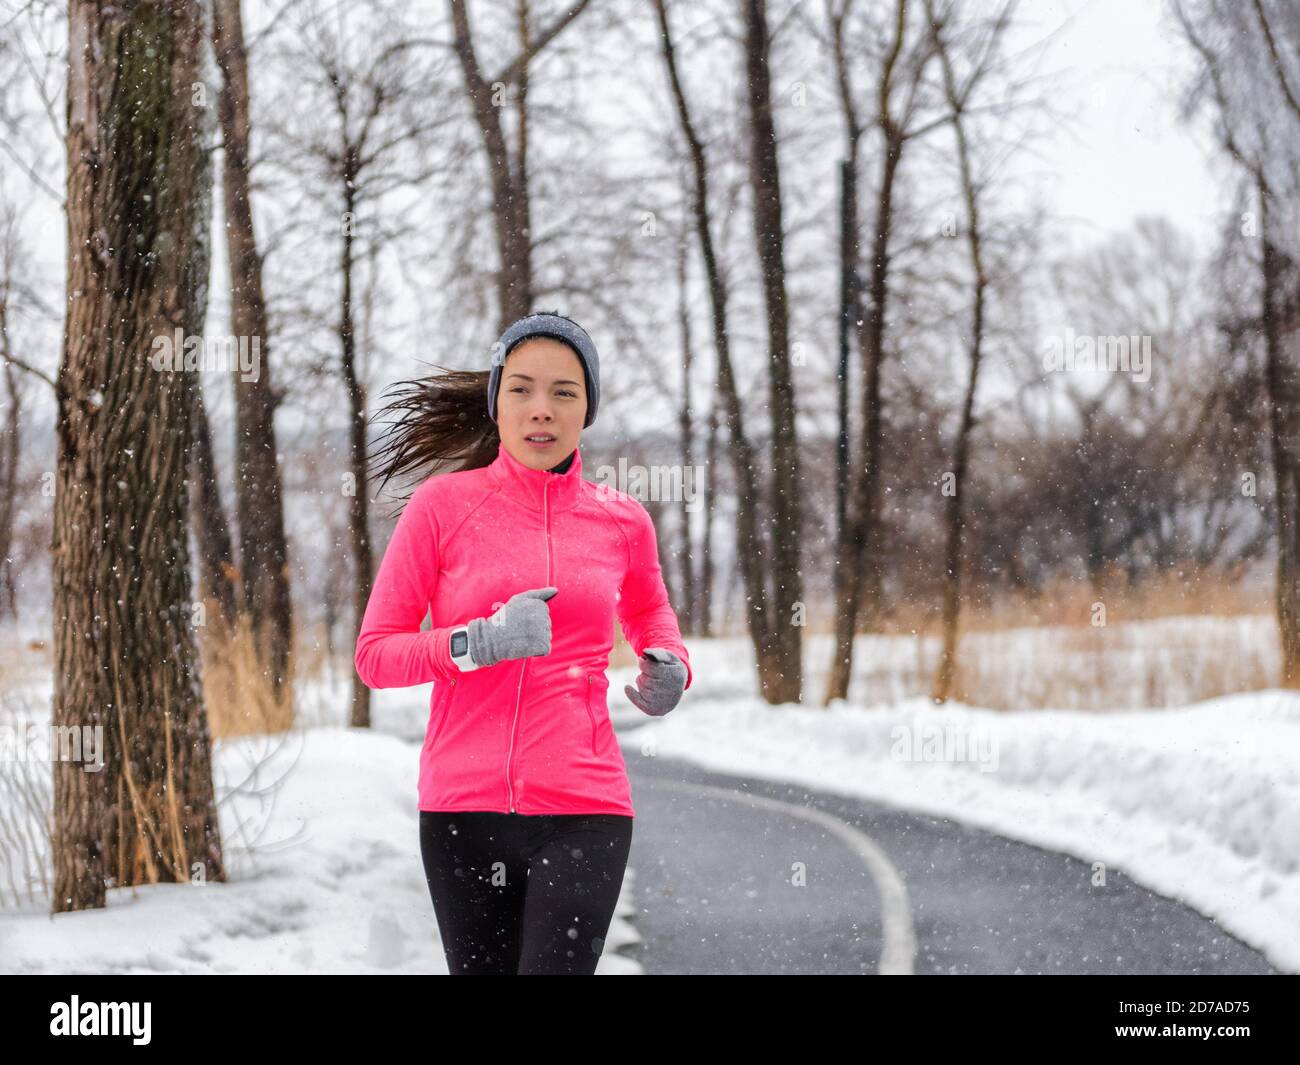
542 393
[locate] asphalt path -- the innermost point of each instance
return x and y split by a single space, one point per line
737 875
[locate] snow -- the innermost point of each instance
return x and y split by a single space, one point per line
332 881
1200 803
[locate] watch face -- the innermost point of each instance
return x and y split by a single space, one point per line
459 643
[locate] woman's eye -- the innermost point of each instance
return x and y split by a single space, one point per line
571 395
517 388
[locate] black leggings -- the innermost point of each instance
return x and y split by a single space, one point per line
524 893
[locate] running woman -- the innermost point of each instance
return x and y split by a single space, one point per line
525 804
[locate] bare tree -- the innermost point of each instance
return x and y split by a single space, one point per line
360 127
752 553
11 446
857 575
781 665
259 506
1258 125
507 170
958 97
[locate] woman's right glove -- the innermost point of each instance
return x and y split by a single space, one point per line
660 683
520 627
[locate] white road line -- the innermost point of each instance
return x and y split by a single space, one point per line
899 939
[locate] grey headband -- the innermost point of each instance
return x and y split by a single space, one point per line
557 327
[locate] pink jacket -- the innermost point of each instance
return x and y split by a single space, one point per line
528 735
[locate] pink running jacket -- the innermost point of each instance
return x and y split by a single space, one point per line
527 735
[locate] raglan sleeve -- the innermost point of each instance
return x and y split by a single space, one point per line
392 651
644 611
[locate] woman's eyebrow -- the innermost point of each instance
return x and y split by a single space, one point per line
527 378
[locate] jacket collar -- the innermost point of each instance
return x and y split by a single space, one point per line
532 488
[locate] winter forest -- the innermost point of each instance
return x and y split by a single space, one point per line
952 347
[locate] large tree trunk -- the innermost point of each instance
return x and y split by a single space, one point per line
782 670
124 649
259 503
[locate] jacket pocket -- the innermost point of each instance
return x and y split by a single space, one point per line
592 688
444 708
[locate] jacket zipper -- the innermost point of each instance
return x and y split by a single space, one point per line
546 523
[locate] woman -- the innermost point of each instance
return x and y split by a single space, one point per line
525 805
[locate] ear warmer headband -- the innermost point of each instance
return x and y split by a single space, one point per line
557 327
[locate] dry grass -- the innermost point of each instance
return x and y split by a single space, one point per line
1166 641
1072 603
239 699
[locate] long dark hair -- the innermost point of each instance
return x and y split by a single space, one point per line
440 424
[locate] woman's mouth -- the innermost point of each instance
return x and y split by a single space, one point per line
540 440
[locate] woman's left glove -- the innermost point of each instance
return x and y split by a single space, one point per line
660 683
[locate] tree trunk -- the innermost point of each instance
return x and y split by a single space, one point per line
217 571
783 672
10 453
1284 425
509 186
686 430
955 512
358 509
124 649
708 490
259 506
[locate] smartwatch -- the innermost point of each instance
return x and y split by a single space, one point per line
460 649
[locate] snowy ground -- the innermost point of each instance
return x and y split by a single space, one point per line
1200 803
324 877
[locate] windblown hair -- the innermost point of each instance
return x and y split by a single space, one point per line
440 424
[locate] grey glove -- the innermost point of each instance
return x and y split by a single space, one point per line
520 627
660 683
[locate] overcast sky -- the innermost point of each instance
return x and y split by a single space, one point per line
1123 66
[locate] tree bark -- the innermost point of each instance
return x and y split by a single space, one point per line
125 656
781 671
